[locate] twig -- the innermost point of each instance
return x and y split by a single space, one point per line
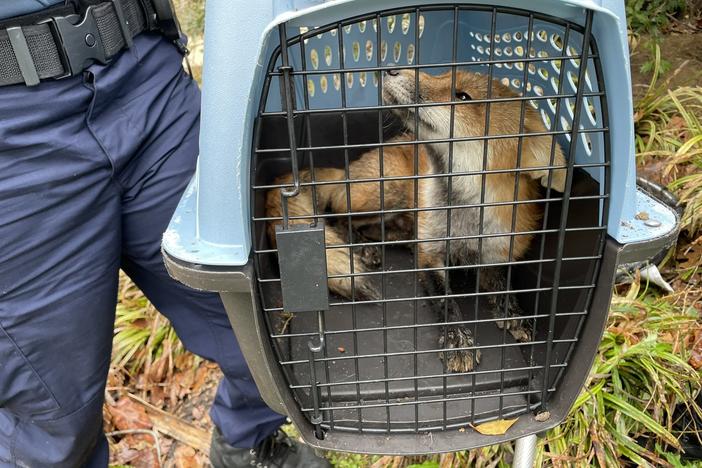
175 427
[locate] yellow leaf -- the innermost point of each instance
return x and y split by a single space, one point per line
497 427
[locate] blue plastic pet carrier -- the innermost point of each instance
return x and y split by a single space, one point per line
344 207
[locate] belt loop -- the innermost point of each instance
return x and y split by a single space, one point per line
24 57
123 23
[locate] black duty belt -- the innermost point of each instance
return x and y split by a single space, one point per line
65 44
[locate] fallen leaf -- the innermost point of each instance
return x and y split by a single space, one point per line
690 257
497 427
185 457
127 414
642 216
341 349
542 416
696 351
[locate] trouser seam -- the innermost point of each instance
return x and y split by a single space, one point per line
91 107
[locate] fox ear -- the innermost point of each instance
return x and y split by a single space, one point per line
537 153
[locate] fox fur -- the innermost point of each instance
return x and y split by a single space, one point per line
467 156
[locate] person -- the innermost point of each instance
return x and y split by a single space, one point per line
93 160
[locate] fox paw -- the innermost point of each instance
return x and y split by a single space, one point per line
461 360
516 328
371 256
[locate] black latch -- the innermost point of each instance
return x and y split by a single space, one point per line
79 40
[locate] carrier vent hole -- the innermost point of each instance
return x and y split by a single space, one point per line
573 80
362 26
543 73
556 65
546 119
542 35
310 87
362 79
518 36
336 79
587 142
391 23
406 22
314 58
410 54
328 55
349 80
572 51
369 50
323 84
557 41
552 104
565 126
397 51
383 50
356 50
591 111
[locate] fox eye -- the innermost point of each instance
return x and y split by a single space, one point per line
464 96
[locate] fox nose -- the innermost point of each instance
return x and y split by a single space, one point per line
392 72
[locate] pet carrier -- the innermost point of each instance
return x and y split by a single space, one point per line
414 211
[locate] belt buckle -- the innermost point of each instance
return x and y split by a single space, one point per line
79 41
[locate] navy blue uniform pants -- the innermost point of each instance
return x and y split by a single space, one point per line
91 169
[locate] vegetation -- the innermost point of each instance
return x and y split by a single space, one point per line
653 16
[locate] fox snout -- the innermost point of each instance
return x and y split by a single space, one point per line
399 87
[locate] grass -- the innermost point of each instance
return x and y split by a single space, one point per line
653 16
669 135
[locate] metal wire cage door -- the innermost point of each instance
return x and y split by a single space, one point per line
407 246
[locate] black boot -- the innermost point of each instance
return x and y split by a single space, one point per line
276 451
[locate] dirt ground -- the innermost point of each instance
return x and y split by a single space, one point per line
682 50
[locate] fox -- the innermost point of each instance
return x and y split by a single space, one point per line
477 238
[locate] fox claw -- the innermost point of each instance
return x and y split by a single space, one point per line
462 360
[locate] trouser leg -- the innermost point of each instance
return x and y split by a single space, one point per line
153 180
59 258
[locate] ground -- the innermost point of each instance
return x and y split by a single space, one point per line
637 409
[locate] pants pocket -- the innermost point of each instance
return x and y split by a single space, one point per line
22 391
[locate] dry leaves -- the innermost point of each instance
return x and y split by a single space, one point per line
497 427
695 359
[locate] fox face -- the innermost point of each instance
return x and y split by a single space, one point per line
470 120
